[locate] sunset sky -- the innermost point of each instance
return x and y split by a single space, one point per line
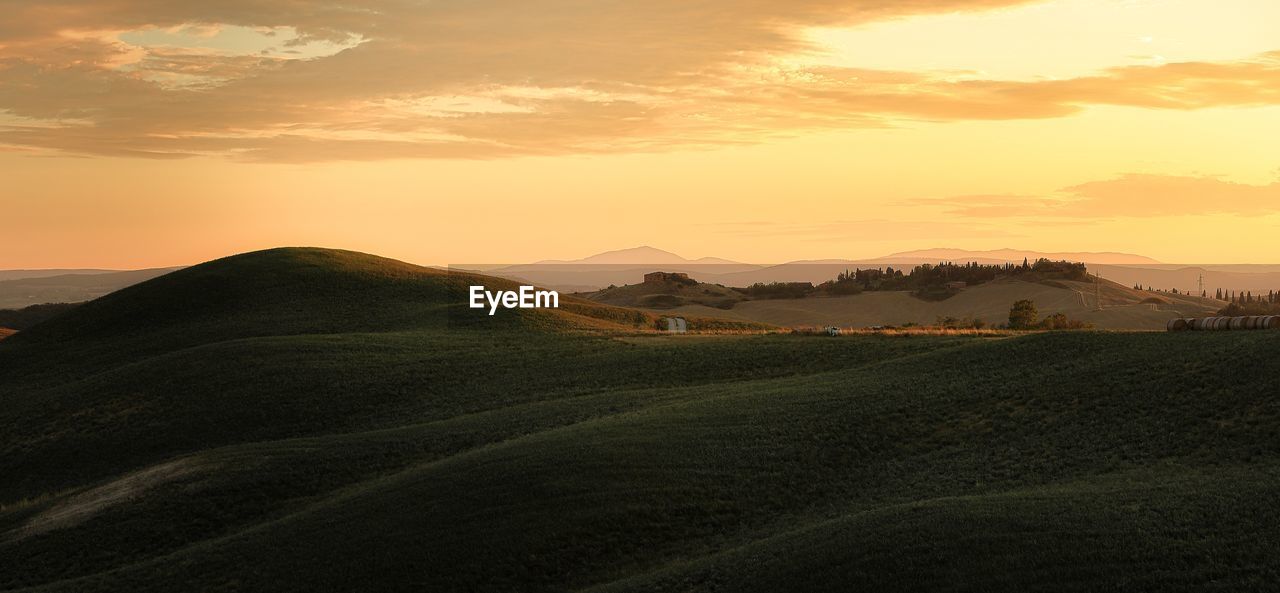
138 133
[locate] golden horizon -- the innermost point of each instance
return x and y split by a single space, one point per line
134 137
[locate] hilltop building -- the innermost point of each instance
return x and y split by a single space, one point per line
657 277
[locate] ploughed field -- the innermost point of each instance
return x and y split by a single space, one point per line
312 420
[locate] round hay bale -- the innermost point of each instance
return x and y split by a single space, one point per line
1236 323
1270 322
1222 323
1176 325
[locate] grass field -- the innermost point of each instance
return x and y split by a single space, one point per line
1121 307
310 420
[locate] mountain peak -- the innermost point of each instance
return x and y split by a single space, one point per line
643 254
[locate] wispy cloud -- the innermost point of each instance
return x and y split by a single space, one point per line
1128 196
570 77
862 230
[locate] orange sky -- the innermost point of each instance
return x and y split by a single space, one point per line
134 134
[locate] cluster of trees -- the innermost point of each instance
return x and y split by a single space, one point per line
927 281
1246 297
778 290
1024 315
929 278
1246 303
1203 293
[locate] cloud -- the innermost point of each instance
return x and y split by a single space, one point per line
1128 196
865 230
1159 195
575 77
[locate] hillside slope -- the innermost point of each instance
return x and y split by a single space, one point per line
667 294
395 454
200 353
288 291
1122 307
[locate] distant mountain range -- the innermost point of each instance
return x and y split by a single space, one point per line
639 255
24 274
21 288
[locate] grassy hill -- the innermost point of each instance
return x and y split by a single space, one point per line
1122 307
312 420
1106 304
668 294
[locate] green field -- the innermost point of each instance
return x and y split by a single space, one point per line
309 420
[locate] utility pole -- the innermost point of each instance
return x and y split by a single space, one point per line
1097 290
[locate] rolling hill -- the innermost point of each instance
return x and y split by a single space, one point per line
1107 306
22 288
316 420
667 295
623 266
22 274
1122 307
1258 279
628 266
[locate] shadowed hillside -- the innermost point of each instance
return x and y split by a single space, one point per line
228 329
310 420
289 291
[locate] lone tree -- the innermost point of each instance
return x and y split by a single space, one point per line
1023 315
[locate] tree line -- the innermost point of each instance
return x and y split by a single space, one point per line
928 280
1246 303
